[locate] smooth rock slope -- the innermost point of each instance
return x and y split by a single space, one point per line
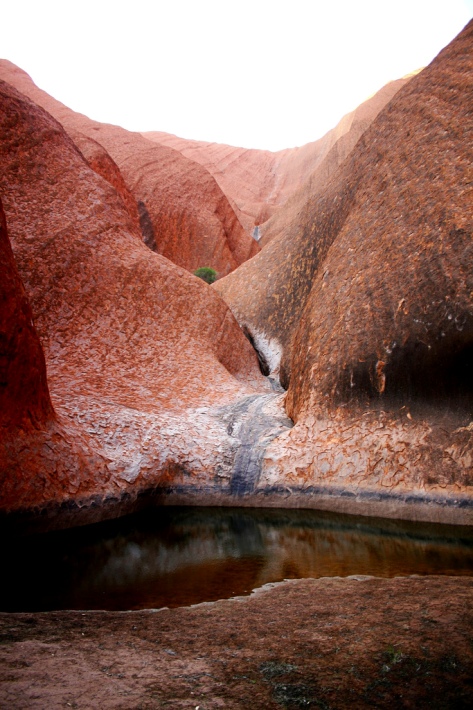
363 307
259 182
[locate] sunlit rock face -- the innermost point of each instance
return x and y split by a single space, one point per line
141 355
192 221
379 358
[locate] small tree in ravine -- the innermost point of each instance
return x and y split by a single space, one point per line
206 273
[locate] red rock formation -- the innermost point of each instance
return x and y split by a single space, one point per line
247 177
333 149
259 182
380 364
24 396
185 213
140 354
369 304
100 161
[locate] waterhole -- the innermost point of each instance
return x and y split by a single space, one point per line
181 556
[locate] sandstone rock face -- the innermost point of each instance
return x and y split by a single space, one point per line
259 182
24 396
100 161
333 149
281 279
366 311
141 356
368 308
380 365
193 223
251 179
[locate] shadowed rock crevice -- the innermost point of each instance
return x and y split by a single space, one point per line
441 376
24 393
146 225
262 361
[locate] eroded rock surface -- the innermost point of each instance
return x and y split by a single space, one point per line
366 313
140 354
193 222
24 395
371 306
259 182
333 149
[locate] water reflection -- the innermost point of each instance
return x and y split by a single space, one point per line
178 556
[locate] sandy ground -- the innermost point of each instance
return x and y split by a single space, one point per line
327 643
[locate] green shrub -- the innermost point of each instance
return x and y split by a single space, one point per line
206 273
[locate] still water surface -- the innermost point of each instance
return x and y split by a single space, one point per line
179 556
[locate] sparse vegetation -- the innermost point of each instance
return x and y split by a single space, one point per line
206 273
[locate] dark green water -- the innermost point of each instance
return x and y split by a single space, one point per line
181 556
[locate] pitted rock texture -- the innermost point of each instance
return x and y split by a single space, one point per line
371 305
368 307
100 161
193 222
380 194
24 395
272 307
259 182
395 289
140 354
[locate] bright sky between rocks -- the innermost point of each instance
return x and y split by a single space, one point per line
254 73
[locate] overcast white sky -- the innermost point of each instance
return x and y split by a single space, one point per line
254 73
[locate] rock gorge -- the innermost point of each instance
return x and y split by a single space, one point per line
123 375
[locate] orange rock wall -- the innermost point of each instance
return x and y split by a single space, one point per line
259 182
194 224
380 364
139 352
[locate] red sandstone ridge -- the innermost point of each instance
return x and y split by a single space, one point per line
247 177
370 303
140 354
333 149
259 182
100 161
183 213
